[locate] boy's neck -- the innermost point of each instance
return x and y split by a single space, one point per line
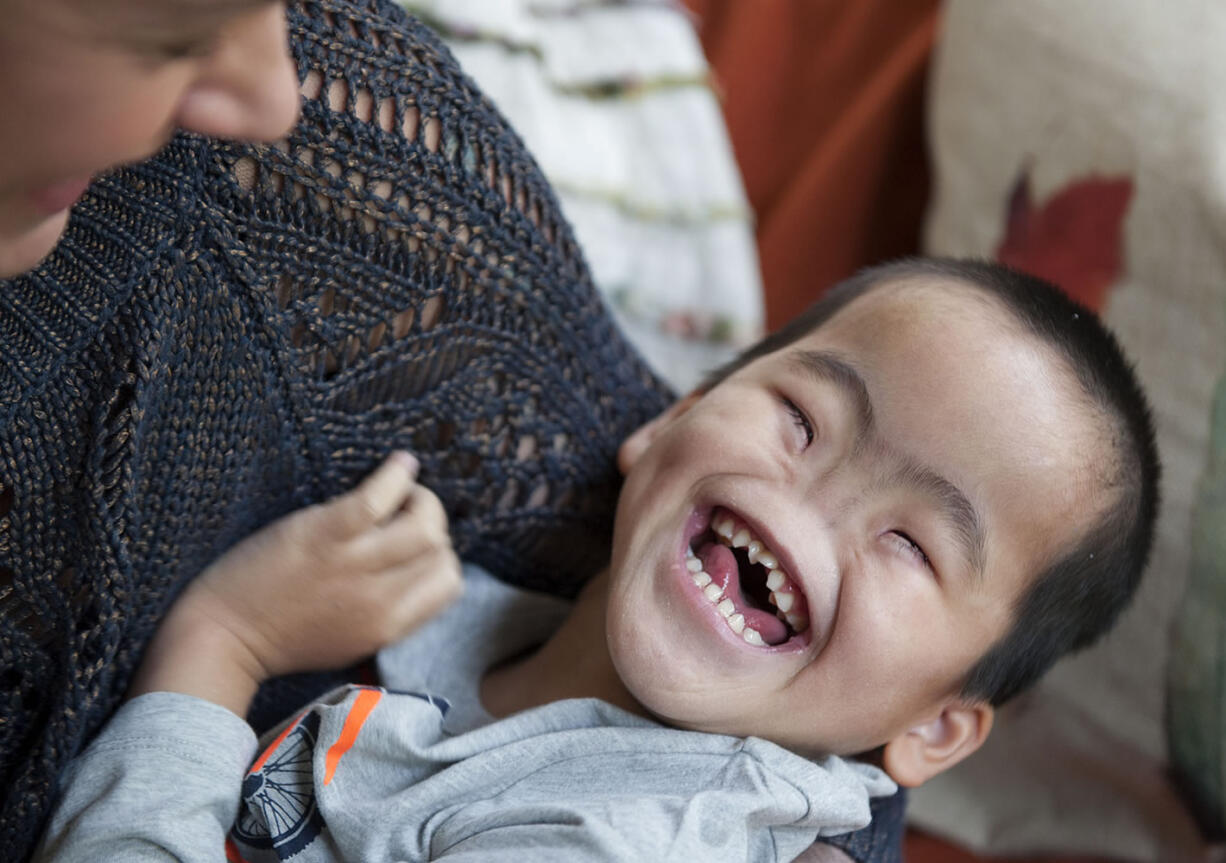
573 663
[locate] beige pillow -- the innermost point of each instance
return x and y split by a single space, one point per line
1086 141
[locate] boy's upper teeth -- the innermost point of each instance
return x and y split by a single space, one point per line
742 537
753 550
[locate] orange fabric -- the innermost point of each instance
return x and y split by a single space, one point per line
268 750
922 848
824 104
362 705
232 855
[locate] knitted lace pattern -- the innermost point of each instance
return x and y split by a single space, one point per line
230 332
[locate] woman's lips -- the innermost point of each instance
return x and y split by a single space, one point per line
59 196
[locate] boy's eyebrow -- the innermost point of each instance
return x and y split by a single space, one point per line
956 508
958 511
826 367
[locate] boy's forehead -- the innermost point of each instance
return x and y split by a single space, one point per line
957 350
915 317
928 300
905 326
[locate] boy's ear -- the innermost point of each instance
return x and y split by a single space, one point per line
634 446
926 749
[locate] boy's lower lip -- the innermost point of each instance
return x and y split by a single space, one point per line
59 196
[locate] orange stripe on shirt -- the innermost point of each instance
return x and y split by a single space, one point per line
366 701
259 762
232 855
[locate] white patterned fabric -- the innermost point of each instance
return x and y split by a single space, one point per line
614 102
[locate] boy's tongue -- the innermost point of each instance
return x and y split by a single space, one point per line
719 562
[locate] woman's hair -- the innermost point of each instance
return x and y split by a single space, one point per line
1077 598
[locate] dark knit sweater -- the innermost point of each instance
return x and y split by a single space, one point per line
229 332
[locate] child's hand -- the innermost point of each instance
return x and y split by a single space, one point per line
321 588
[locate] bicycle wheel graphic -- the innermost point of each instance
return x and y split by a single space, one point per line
278 809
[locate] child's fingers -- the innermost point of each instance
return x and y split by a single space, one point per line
377 498
423 505
419 527
431 584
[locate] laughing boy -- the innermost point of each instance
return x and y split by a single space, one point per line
830 565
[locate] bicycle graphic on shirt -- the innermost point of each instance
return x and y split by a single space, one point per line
278 811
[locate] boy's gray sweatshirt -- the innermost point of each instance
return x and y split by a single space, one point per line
419 771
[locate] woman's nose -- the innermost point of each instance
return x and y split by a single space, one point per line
247 87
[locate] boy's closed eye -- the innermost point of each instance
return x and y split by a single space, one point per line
909 548
799 419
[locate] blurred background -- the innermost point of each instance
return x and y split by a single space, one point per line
725 161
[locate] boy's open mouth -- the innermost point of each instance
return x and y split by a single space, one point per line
741 577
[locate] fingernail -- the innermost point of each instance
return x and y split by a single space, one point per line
408 460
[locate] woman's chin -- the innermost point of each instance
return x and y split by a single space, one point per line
23 249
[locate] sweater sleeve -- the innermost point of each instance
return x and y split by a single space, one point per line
161 782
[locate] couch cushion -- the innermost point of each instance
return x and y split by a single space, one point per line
1084 142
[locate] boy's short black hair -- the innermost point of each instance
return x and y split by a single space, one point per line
1078 597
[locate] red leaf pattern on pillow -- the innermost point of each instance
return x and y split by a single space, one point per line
1074 238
